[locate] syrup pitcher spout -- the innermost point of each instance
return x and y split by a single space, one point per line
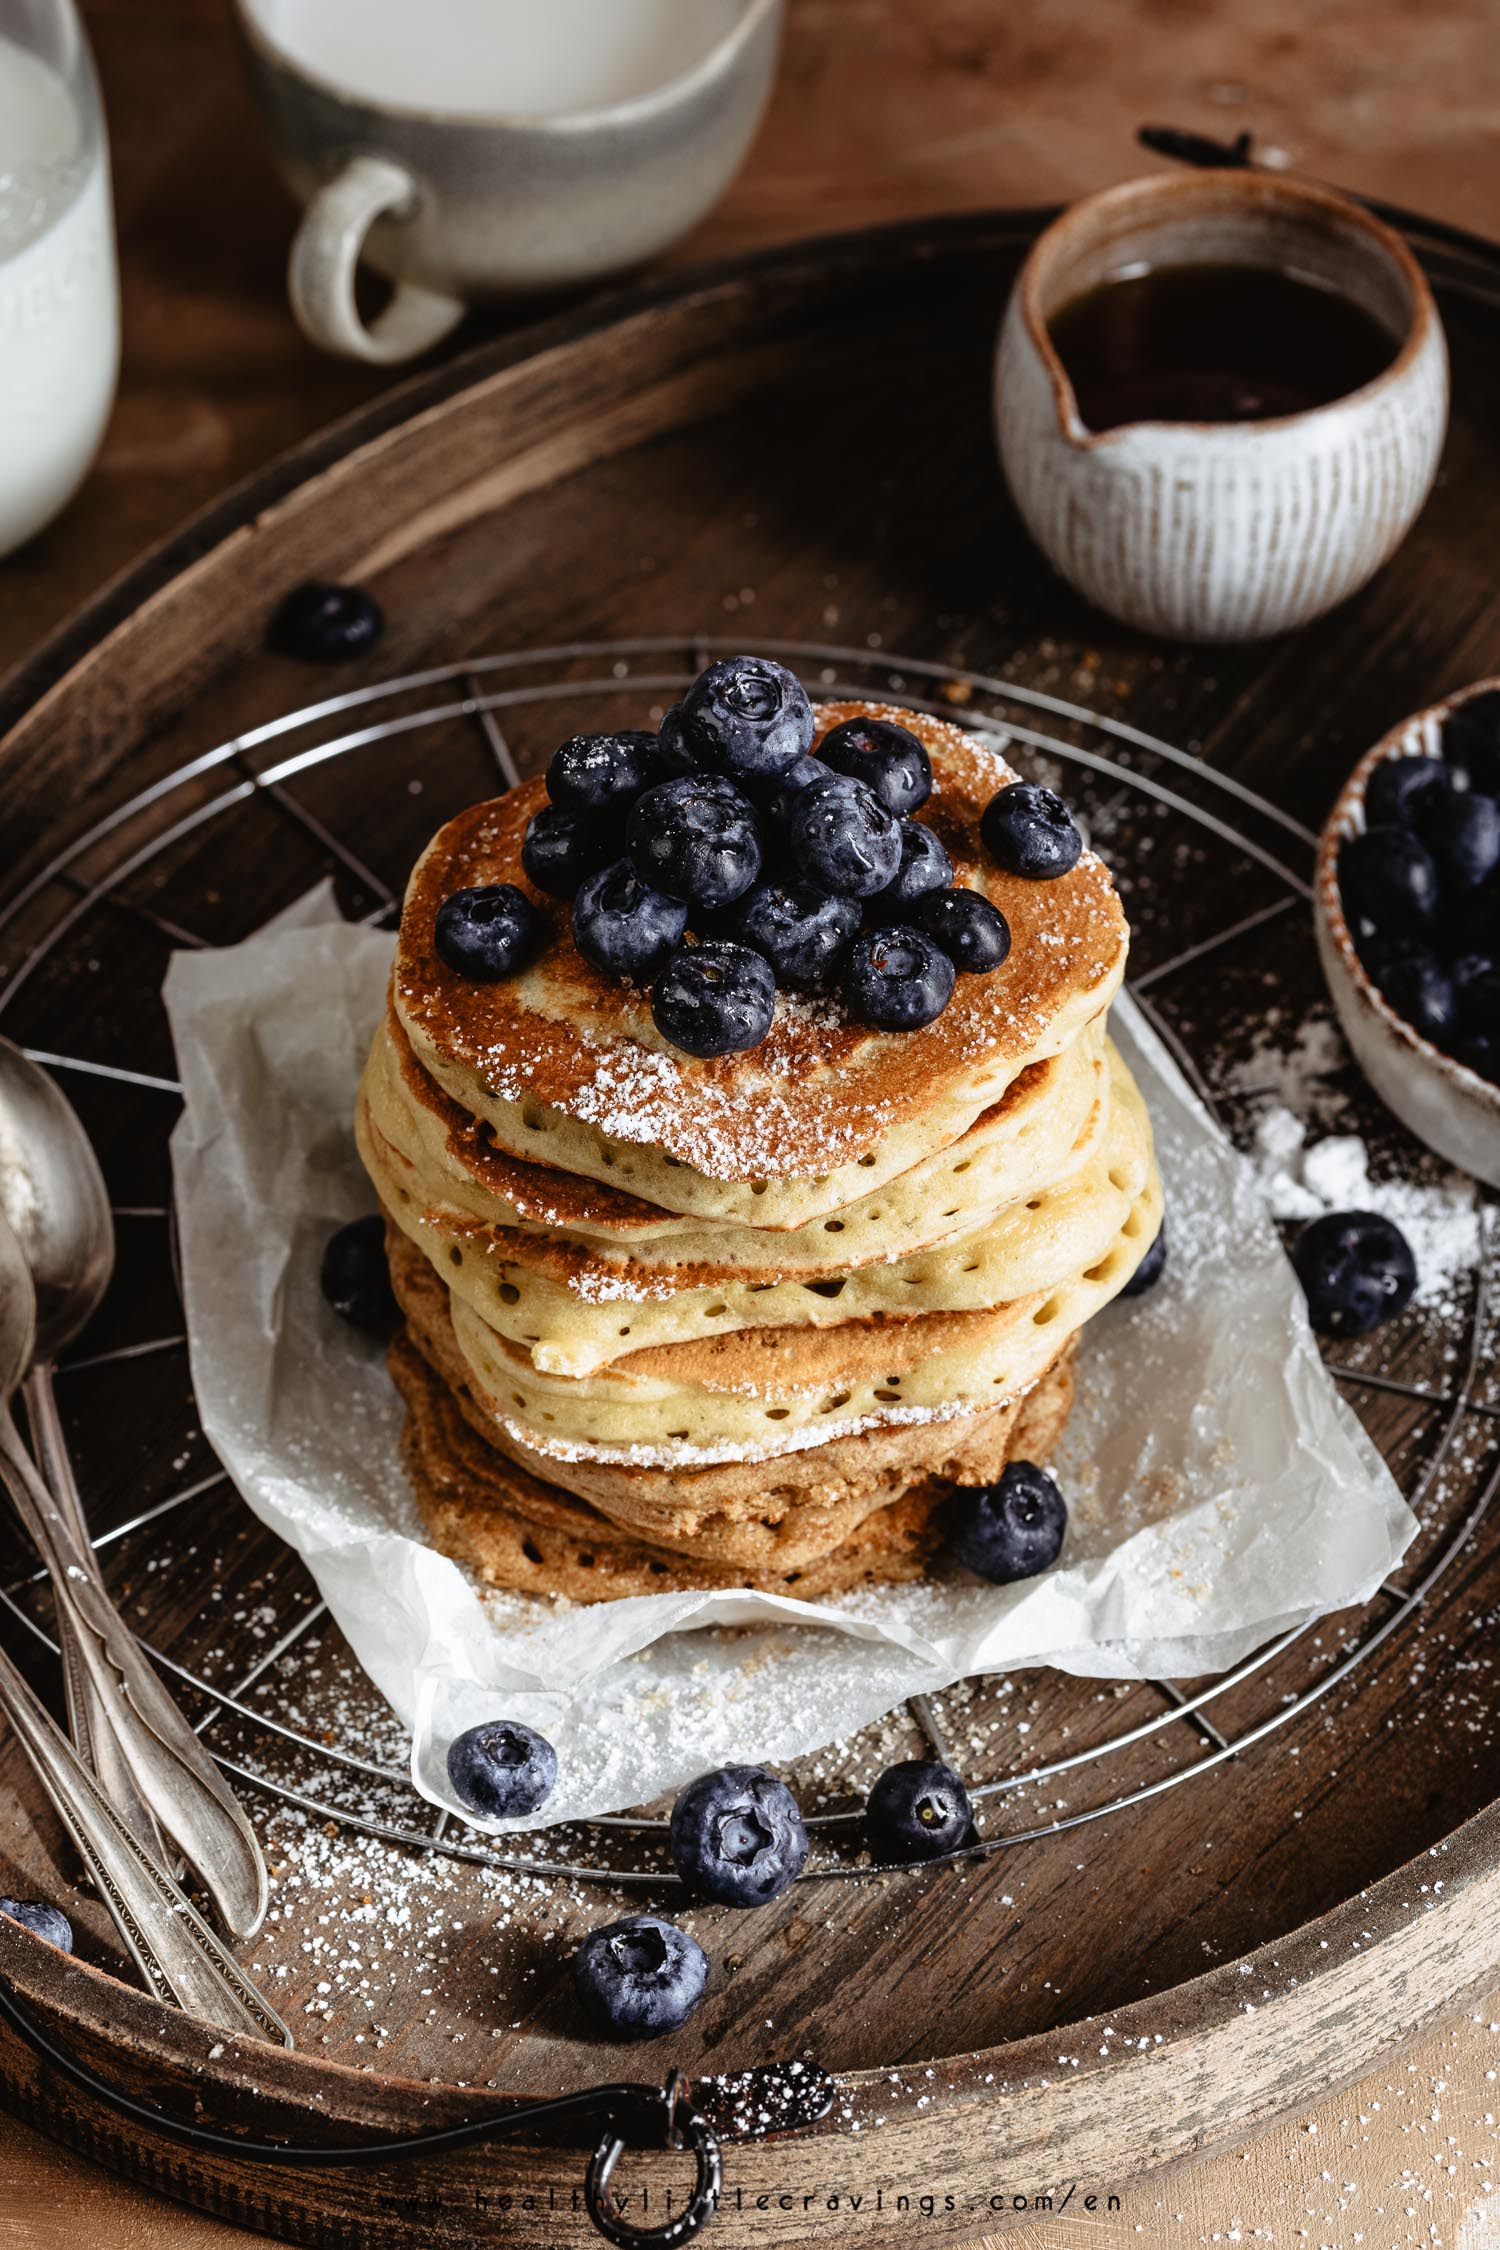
1218 495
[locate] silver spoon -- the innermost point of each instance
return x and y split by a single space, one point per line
177 1953
50 1182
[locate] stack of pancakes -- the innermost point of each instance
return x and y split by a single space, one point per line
675 1323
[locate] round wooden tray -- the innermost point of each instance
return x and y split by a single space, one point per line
793 449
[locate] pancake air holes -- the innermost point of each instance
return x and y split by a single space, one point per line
1132 1226
716 1312
608 1156
1098 1273
509 1293
533 1119
777 1413
867 1162
968 1160
518 1398
625 1331
1119 1181
657 1569
833 1226
532 1552
889 1398
826 1288
1047 1312
549 1417
678 1437
403 1195
839 1398
455 1255
759 1187
972 1266
1035 1204
894 1381
585 1559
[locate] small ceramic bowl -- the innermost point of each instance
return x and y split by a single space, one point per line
1221 531
1451 1108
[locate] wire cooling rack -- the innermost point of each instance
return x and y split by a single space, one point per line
1209 838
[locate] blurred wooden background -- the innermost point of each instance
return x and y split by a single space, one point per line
885 109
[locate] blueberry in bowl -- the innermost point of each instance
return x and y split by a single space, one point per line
1407 920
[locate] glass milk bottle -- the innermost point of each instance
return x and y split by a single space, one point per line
59 296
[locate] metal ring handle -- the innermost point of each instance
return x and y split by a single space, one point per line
686 2126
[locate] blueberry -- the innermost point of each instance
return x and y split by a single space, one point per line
1421 991
714 999
1397 785
1379 952
1469 921
1476 986
737 1836
1471 738
802 932
887 758
897 979
924 866
43 1921
488 932
1012 1529
673 757
561 847
747 716
842 838
1480 1052
1388 875
696 838
640 1977
602 774
623 926
500 1769
325 624
1151 1268
1029 831
974 935
918 1810
1461 829
355 1278
1356 1271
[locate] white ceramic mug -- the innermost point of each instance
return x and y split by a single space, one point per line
473 149
1221 531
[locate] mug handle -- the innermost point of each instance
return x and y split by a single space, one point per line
325 254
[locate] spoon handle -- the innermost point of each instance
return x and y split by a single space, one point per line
89 1722
173 1947
173 1771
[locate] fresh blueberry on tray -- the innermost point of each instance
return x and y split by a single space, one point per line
355 1277
924 867
1390 877
602 774
974 935
746 716
897 979
1397 786
1421 991
623 926
1461 829
1356 1271
502 1769
887 758
43 1921
802 932
1011 1529
327 624
714 999
696 838
1029 831
1151 1268
737 1836
842 838
488 932
918 1810
640 1977
560 848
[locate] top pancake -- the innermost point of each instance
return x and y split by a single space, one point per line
566 1067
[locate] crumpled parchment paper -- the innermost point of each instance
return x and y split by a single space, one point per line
1220 1489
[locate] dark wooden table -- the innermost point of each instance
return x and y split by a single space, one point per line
883 110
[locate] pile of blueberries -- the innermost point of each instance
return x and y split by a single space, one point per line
749 865
1421 886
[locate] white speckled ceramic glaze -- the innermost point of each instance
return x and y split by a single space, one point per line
1451 1108
1228 531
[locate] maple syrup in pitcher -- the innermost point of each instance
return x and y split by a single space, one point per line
1214 343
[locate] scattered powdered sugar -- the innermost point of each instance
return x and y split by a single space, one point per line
1440 1219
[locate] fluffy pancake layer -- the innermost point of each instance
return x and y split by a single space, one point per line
565 1067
